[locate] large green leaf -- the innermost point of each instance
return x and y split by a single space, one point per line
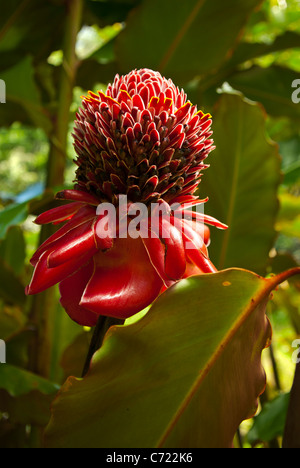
107 12
245 52
270 86
179 38
185 375
26 26
21 90
242 185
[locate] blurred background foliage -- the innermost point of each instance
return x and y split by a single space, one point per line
236 60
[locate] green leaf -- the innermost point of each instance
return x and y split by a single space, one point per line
248 51
12 215
270 422
19 382
245 52
107 12
11 289
21 90
25 396
185 375
179 38
270 86
242 184
288 221
31 408
13 249
26 26
12 321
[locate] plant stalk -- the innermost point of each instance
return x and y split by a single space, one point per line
44 305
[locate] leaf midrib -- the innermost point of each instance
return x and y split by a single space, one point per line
234 188
263 292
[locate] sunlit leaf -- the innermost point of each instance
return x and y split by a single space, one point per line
185 375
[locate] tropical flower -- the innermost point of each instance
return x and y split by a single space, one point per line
142 142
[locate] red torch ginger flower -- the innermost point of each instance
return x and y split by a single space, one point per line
141 142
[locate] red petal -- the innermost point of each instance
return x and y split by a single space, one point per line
175 260
156 251
83 215
71 290
104 232
124 281
205 219
78 196
171 238
185 199
75 243
44 277
58 214
195 248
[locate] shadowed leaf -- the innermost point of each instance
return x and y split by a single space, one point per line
242 184
183 44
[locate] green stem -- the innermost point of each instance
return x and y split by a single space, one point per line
44 305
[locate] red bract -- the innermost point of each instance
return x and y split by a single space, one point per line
143 140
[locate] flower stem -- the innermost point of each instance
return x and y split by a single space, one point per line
103 324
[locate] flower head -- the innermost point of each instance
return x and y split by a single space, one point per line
141 141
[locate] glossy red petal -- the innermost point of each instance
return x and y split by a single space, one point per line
203 218
84 214
44 277
71 290
195 248
175 260
80 241
156 251
58 214
124 281
79 196
104 233
192 232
